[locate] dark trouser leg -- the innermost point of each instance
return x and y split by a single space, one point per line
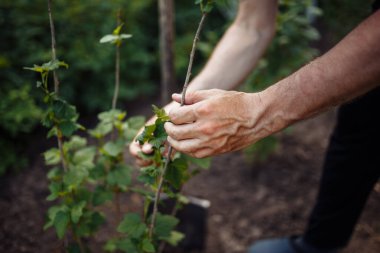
351 168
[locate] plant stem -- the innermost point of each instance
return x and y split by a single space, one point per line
170 150
117 206
79 242
117 78
53 43
56 82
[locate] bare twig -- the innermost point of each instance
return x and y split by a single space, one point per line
162 176
53 43
117 67
117 78
56 82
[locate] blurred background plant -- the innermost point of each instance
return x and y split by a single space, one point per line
80 24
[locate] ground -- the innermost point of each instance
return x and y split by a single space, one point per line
248 201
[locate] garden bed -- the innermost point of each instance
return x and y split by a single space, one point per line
248 202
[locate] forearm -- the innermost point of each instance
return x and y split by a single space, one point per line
241 47
347 71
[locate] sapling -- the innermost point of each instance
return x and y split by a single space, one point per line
156 131
116 38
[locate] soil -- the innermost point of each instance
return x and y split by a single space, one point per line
248 201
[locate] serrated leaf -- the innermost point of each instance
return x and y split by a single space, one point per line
52 156
61 222
120 176
147 134
101 195
174 238
132 226
127 245
84 157
64 111
111 245
160 113
77 211
176 173
67 128
164 225
147 246
55 189
74 177
75 142
114 148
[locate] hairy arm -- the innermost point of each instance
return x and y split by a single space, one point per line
225 121
236 54
347 71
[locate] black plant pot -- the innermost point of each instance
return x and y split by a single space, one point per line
192 223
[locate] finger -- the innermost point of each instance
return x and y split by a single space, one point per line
185 146
202 153
181 132
142 162
147 148
193 97
182 115
134 148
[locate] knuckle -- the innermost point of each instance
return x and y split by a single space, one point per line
203 110
207 129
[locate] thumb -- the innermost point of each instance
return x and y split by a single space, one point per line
192 97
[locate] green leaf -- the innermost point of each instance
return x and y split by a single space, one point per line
160 113
114 149
64 111
175 238
61 222
84 157
55 189
164 226
120 176
77 211
132 226
203 163
176 173
127 245
101 130
147 246
111 245
117 30
125 36
52 212
74 177
67 128
52 156
101 195
147 134
75 142
109 38
54 174
160 136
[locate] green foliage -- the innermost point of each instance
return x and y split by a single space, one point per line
116 37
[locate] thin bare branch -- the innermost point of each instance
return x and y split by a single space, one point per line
170 150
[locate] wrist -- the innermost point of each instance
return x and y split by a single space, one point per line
269 112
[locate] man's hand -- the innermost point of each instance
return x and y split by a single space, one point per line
135 148
213 122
